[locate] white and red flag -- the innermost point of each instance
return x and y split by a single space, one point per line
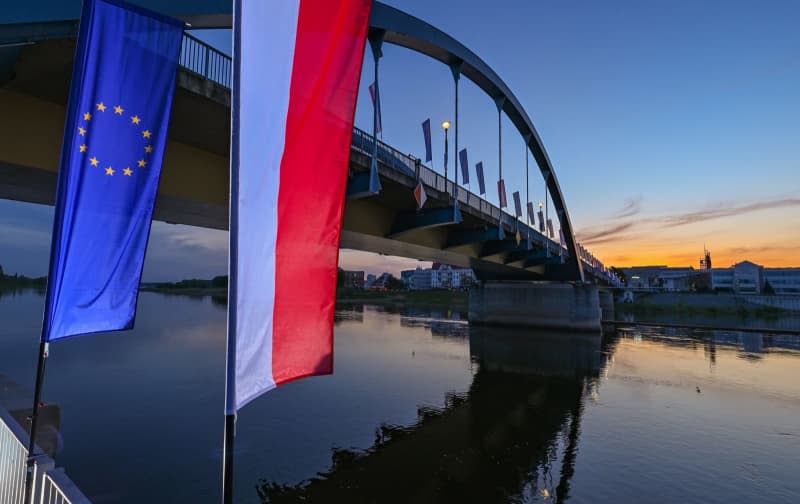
296 75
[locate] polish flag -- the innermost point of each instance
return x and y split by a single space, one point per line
297 65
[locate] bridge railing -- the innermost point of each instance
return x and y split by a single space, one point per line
206 61
50 485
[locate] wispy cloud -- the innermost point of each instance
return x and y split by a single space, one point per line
632 207
723 210
604 234
629 228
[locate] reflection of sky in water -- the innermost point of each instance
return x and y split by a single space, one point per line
669 418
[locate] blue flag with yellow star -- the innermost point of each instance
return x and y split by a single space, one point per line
120 100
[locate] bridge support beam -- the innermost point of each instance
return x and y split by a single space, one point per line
544 305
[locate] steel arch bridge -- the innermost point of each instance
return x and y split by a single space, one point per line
47 20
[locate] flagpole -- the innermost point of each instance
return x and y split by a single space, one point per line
44 348
233 250
227 463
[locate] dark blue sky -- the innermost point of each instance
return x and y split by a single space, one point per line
683 113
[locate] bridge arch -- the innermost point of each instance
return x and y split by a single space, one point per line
402 29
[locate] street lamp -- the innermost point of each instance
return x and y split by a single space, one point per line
445 127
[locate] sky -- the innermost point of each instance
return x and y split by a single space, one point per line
672 125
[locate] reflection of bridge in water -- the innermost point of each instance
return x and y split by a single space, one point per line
513 435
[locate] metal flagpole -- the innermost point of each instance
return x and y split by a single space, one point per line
456 69
44 349
233 249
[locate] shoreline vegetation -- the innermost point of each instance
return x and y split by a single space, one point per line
682 309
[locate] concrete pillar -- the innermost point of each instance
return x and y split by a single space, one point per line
606 304
551 305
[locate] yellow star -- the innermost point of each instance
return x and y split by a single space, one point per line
127 172
148 149
109 171
101 107
118 109
83 147
142 163
146 133
81 131
87 116
94 161
135 120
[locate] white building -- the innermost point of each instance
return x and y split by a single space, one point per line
442 276
750 278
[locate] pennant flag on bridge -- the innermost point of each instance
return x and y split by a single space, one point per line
464 166
419 195
541 221
123 82
550 227
376 103
481 183
531 217
501 193
296 75
517 205
426 132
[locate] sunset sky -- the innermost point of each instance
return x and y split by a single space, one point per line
671 125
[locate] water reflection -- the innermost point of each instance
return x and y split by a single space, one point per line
512 437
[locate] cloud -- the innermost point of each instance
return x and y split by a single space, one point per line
634 228
721 210
632 207
603 235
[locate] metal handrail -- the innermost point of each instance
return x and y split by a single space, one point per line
50 485
211 63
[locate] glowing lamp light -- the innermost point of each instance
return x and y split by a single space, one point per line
446 125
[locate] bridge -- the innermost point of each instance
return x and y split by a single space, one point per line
455 226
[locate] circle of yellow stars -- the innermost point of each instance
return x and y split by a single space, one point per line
135 120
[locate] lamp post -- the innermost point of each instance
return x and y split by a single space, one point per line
445 127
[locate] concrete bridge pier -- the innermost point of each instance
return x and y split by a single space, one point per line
606 297
545 305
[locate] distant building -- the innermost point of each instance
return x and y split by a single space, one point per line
666 278
370 280
749 278
442 276
351 279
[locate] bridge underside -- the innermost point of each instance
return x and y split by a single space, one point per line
34 83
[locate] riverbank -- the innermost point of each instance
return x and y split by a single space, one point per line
429 298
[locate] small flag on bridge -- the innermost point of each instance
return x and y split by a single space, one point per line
517 205
531 216
481 184
123 82
426 132
550 228
376 104
419 195
464 166
299 67
541 221
501 193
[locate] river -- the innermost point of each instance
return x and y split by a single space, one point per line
422 407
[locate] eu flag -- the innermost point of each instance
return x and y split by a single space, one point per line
123 82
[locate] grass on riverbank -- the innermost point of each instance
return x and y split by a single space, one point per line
432 298
687 309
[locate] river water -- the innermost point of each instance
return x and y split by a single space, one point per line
422 407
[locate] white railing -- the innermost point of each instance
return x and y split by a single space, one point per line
50 485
